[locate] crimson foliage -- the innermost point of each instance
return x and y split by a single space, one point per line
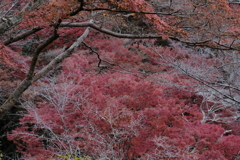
111 115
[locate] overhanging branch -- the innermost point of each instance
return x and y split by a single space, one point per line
109 32
128 11
61 56
132 36
21 36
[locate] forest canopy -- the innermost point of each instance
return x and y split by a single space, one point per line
131 79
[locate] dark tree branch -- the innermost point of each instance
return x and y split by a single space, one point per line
10 102
128 11
109 32
61 56
34 30
94 51
21 36
205 43
146 36
80 8
28 80
38 51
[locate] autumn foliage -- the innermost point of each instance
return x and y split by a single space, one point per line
120 80
108 114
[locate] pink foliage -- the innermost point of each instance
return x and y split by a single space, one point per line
118 116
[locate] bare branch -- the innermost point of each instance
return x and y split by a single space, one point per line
61 56
80 8
109 32
28 80
128 11
94 51
206 43
21 36
38 51
195 77
146 36
13 5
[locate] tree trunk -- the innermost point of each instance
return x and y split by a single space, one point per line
10 102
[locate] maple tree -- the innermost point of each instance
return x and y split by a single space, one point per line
205 61
53 15
117 115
